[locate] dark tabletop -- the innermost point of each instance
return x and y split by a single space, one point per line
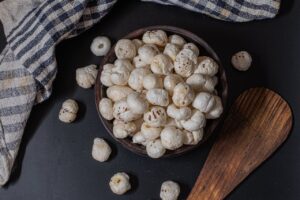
55 160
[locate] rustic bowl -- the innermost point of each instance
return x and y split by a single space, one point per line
205 49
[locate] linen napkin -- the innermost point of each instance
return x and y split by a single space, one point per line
34 27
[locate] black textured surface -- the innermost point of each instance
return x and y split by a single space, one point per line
55 162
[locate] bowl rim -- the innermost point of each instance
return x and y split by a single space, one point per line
190 37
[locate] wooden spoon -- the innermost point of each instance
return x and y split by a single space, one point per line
257 124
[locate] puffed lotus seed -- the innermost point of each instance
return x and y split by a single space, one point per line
86 76
157 37
139 138
106 74
138 43
170 190
150 133
137 103
68 111
162 64
183 95
136 77
159 97
123 129
217 110
196 122
171 138
125 49
119 183
155 149
171 81
117 92
171 50
138 62
122 112
100 46
179 113
153 81
119 75
206 66
241 60
177 40
192 47
185 63
204 102
147 53
101 150
192 138
106 108
156 117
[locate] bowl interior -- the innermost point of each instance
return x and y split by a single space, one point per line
205 49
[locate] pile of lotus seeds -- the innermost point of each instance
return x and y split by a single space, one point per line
160 93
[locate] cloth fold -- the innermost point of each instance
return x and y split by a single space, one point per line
34 27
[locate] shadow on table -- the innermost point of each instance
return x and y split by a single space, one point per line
286 7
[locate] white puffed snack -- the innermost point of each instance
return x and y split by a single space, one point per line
162 64
171 138
177 40
124 63
183 95
106 108
192 47
138 62
157 37
137 103
217 110
156 117
136 77
171 50
105 75
241 60
119 183
86 76
153 81
123 129
101 150
170 81
118 92
119 75
196 122
201 82
204 102
68 111
149 132
100 46
139 138
138 43
155 149
147 53
122 112
159 97
169 190
185 63
206 66
180 113
192 138
125 49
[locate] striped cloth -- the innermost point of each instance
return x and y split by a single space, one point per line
34 27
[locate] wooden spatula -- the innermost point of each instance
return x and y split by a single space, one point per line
257 124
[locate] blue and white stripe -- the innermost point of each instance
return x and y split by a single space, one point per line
34 27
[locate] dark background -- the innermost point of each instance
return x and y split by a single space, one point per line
55 160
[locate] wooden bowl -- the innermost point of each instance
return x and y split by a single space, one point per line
205 49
